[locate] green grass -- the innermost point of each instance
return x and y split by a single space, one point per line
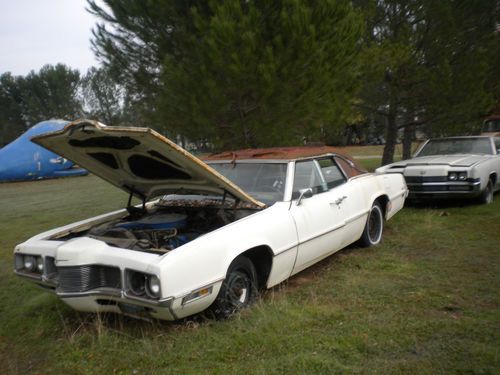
426 302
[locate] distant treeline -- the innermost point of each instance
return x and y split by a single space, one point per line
239 73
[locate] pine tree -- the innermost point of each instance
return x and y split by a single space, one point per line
236 73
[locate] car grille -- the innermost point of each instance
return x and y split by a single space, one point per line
84 278
428 188
417 179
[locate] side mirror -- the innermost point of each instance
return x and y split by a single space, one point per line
304 193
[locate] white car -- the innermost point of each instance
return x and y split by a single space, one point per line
454 167
206 235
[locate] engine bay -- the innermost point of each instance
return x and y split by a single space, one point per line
161 227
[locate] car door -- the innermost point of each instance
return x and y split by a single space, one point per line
320 219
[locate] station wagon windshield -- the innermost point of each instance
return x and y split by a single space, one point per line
263 181
491 126
457 146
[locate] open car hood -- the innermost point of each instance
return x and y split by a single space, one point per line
138 160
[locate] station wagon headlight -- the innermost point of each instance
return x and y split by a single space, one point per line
462 176
452 176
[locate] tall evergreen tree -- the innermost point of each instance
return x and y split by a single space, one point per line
427 62
239 73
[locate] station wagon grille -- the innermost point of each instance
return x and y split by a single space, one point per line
84 278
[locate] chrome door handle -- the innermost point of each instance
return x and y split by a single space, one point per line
339 200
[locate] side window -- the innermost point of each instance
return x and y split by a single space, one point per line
497 145
331 172
307 176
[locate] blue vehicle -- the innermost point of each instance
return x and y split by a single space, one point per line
22 160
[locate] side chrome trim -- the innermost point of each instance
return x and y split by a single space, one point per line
354 218
285 250
323 233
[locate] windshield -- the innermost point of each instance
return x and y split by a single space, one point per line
263 181
457 146
491 126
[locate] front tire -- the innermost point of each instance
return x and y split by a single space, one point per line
238 290
374 227
487 195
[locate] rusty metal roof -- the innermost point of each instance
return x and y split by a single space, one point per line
288 153
282 153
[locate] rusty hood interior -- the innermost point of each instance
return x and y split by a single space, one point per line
138 160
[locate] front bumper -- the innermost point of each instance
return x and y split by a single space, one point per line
108 300
443 189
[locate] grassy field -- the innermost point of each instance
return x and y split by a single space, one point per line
427 301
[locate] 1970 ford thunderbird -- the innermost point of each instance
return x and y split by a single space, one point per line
455 167
207 235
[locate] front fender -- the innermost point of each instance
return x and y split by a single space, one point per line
205 260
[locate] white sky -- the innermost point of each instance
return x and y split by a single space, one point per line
38 32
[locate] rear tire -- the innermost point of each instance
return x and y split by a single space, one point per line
374 227
487 194
238 290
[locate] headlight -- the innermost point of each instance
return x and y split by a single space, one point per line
39 264
143 285
137 283
29 263
153 287
457 176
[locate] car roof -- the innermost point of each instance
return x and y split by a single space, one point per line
275 153
286 154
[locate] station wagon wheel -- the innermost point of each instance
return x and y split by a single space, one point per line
487 195
238 290
372 234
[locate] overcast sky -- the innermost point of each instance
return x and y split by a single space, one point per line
38 32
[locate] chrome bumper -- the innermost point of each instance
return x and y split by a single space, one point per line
109 299
447 189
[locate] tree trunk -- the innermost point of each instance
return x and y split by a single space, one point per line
392 133
407 139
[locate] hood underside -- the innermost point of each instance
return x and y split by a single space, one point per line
138 160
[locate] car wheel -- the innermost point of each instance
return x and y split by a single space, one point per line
238 290
487 195
372 234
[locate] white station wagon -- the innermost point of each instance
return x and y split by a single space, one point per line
454 167
207 235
